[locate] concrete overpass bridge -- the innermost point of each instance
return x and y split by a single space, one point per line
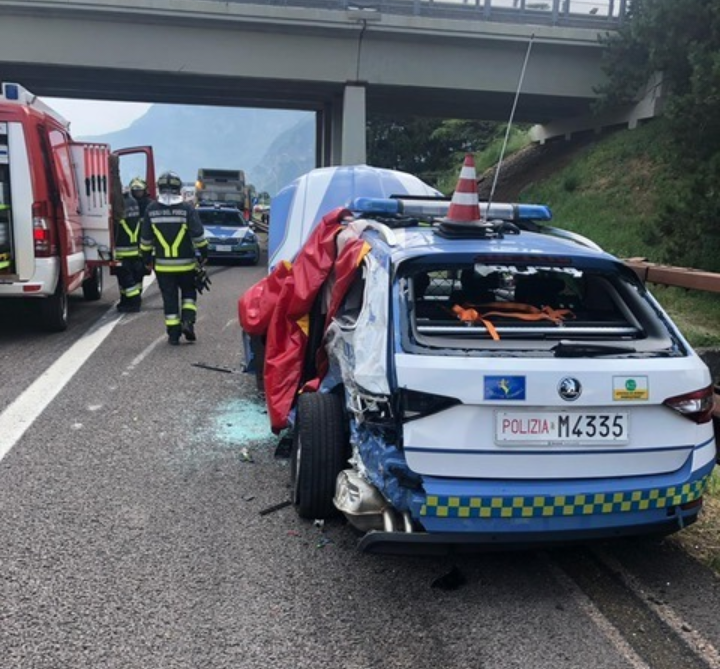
341 59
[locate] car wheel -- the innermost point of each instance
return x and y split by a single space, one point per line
319 454
54 310
92 287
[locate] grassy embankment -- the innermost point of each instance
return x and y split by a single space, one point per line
614 192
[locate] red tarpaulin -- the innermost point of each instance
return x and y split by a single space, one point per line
279 307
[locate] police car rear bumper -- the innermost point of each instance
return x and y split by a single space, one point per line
470 515
425 543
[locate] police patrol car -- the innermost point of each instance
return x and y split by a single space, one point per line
471 375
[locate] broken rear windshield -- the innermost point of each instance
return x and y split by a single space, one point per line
530 308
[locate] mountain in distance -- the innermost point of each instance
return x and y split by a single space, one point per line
270 145
289 156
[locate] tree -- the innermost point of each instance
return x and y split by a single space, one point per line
425 147
680 40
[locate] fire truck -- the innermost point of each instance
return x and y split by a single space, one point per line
59 202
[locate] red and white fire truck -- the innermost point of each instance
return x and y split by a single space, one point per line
59 200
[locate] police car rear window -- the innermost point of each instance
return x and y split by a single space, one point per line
530 308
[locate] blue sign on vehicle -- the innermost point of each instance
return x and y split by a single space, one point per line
504 388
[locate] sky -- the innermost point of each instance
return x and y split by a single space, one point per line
96 117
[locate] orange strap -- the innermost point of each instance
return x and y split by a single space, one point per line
524 312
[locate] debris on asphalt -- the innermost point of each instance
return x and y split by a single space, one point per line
319 522
275 507
450 581
245 455
323 541
248 498
214 368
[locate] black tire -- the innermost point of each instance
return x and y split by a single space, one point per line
54 310
319 453
92 287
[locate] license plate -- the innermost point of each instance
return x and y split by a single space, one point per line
563 427
224 248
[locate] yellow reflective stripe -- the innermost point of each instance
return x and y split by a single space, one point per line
172 320
178 239
199 245
189 307
161 239
124 252
146 247
174 268
133 235
170 252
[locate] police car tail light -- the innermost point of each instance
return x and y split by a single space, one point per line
42 235
416 404
697 405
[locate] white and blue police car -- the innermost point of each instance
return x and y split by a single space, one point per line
498 382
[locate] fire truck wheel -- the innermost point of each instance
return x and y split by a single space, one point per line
54 310
92 287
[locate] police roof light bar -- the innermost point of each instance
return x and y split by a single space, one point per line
370 206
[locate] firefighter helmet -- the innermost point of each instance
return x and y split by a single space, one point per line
169 187
138 183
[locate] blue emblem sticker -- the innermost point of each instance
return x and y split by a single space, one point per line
504 388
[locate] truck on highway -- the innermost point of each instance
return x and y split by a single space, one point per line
220 186
59 202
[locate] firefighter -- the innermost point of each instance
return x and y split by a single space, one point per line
172 230
131 271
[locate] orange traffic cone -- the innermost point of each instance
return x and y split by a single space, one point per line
465 206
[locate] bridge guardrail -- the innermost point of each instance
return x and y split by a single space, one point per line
598 14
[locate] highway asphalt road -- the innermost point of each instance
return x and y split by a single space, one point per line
131 533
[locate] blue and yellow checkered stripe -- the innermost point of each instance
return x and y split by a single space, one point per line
545 506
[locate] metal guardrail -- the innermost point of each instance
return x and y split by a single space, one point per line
598 14
680 277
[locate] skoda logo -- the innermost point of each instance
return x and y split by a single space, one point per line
569 389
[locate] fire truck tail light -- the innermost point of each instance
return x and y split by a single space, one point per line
42 237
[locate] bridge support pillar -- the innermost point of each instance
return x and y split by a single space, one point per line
354 149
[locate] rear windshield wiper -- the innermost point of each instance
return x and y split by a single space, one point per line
572 349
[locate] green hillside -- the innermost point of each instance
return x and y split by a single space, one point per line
618 189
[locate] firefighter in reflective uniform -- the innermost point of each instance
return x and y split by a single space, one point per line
172 229
131 271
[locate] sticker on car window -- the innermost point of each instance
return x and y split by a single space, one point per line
630 388
504 388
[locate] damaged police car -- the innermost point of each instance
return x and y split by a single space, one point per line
458 374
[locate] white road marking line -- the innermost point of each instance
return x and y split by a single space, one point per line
23 412
608 630
684 630
144 354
